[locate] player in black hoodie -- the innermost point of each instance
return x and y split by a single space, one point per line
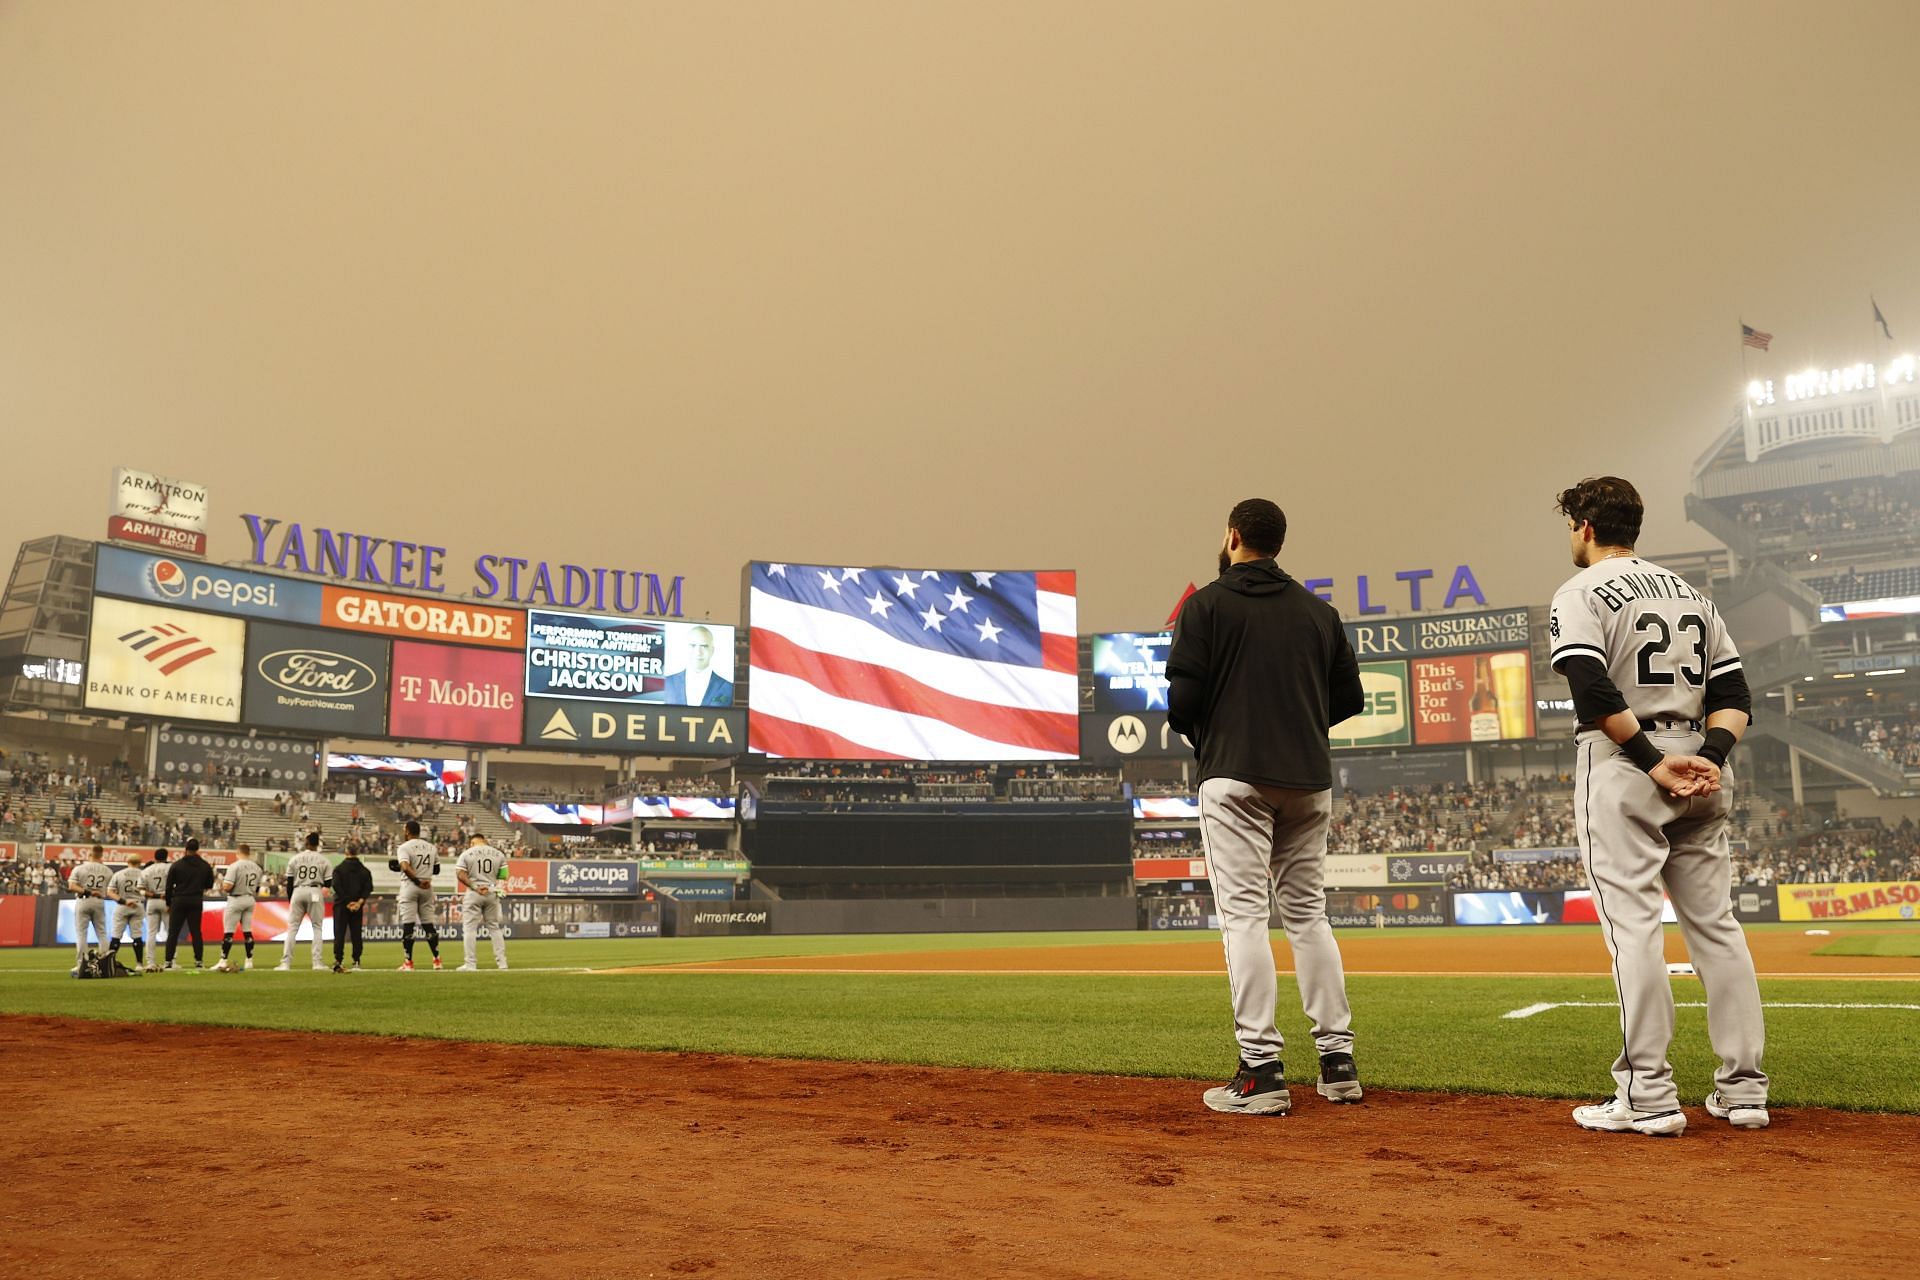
1259 671
188 880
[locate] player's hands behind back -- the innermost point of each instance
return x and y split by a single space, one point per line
1684 776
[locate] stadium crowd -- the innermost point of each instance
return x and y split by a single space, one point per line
1889 506
1886 725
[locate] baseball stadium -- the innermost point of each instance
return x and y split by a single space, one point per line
449 856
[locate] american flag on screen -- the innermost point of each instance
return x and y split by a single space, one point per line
912 664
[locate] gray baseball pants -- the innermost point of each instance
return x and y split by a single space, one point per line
1266 845
306 903
1636 839
89 911
483 909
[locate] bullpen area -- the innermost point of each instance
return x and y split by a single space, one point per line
987 1102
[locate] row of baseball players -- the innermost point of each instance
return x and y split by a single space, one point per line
174 893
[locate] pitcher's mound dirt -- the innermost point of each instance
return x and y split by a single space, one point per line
130 1148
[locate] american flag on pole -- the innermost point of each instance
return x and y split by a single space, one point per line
1752 337
912 664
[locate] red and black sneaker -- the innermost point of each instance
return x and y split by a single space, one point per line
1256 1091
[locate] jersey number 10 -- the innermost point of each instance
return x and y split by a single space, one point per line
1695 675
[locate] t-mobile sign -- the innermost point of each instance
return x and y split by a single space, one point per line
448 694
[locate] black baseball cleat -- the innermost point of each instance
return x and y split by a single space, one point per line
1257 1091
1339 1078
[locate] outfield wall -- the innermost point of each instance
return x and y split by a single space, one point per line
900 915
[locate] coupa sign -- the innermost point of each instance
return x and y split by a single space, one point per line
598 879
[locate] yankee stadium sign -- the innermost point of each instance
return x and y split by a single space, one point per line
359 558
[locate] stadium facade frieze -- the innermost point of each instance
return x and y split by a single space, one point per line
341 556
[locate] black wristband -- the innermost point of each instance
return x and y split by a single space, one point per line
1641 751
1719 745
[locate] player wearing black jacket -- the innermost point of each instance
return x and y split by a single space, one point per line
352 885
188 880
1259 671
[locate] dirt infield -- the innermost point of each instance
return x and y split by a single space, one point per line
1776 953
380 1157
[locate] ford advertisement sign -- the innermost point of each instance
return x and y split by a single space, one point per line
597 879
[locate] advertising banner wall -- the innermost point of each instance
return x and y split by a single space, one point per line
327 681
269 923
142 495
1150 869
207 587
288 764
1356 870
1547 906
1756 903
1441 633
1475 698
635 730
1395 908
156 511
17 912
1563 854
9 851
146 659
1131 735
410 617
1185 912
577 655
1878 900
598 879
1371 773
1385 720
1166 808
116 854
528 875
557 815
1424 868
447 694
691 808
148 533
699 920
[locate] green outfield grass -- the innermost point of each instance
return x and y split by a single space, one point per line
1904 943
1442 1033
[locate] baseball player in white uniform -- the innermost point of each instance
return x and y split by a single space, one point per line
416 860
307 872
1662 701
129 911
240 881
153 891
478 870
89 882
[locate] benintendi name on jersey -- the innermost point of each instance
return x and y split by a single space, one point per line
1622 589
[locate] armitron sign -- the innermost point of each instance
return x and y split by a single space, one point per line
158 512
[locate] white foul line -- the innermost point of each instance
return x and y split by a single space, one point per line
1532 1009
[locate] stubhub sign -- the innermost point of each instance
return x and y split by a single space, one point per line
191 584
571 879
